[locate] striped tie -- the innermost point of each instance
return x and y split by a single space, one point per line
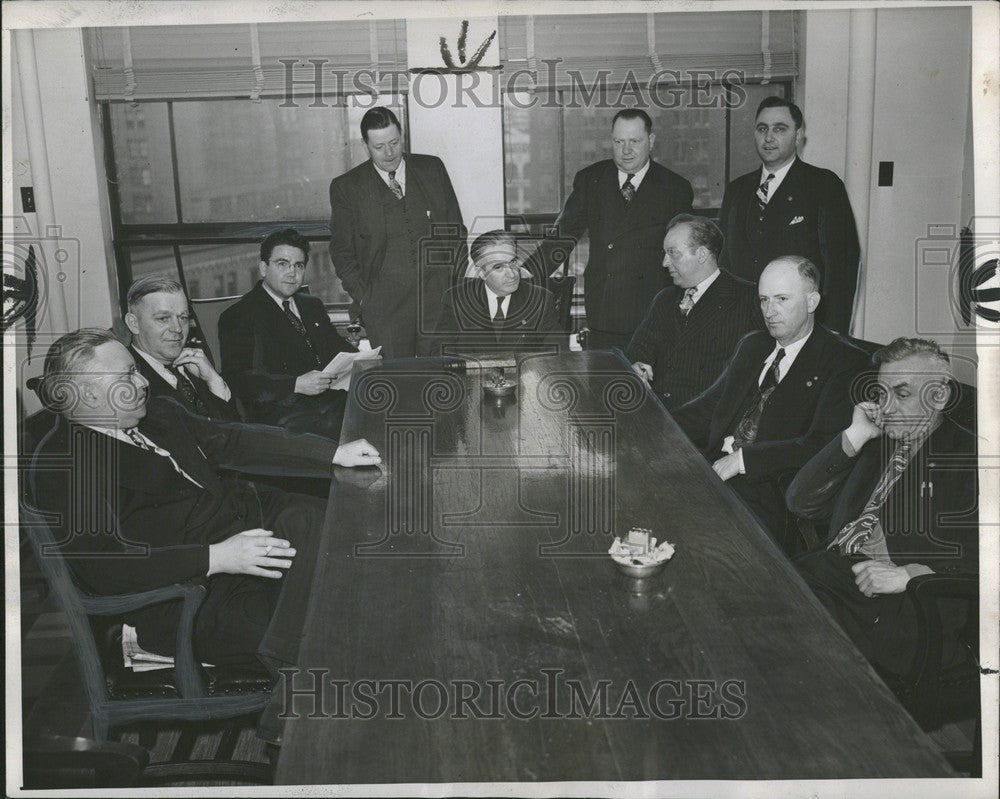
688 302
394 185
763 189
142 442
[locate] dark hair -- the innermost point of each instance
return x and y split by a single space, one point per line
151 284
63 360
781 102
376 119
289 236
634 113
702 232
903 347
489 239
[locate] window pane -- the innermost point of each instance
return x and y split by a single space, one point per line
142 161
244 161
742 152
157 261
533 160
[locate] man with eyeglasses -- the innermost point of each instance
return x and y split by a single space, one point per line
496 310
276 341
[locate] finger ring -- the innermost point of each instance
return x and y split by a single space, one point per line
267 550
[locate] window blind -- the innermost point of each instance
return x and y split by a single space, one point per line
246 60
759 44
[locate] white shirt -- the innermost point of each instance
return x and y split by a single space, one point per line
702 287
791 353
779 175
281 301
400 174
121 435
492 299
171 378
636 176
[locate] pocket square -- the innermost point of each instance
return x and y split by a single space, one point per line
796 220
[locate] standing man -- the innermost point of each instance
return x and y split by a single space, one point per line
691 328
397 240
160 320
624 204
276 342
789 207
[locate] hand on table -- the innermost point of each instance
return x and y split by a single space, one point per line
255 552
314 382
356 453
728 466
644 370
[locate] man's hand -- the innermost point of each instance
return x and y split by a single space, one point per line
727 466
314 382
644 370
196 364
876 577
255 552
356 453
866 424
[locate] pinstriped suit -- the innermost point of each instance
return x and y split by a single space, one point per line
688 353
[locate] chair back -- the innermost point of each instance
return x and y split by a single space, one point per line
207 313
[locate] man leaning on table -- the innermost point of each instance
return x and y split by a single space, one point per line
899 489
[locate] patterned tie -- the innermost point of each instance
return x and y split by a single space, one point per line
746 430
142 442
628 190
762 190
855 534
187 390
688 302
394 185
300 329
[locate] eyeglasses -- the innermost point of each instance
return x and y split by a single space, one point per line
283 264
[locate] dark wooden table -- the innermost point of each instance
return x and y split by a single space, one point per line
478 560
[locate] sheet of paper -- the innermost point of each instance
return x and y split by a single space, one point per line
343 363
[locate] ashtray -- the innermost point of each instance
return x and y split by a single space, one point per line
497 385
639 558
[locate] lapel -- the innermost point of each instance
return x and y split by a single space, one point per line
744 377
613 206
709 307
276 323
785 195
158 385
804 375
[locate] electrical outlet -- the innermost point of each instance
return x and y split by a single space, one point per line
27 199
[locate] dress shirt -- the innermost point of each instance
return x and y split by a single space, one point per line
702 287
121 435
400 175
636 176
171 378
779 175
493 299
281 301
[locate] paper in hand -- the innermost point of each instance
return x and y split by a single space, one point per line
343 363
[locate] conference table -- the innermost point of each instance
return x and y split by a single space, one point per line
467 624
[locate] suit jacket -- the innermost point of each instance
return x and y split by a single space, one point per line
807 408
465 318
810 215
129 522
688 353
262 354
934 524
358 228
218 408
624 271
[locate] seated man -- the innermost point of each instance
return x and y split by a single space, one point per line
898 487
157 511
496 310
160 320
276 342
691 328
784 394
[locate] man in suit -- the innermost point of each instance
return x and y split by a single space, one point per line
624 205
784 394
691 328
496 310
789 207
141 503
898 487
160 320
397 240
276 341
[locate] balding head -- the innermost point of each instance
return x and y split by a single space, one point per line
789 296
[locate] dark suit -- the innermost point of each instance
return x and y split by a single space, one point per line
810 215
114 499
808 407
214 407
688 353
397 257
465 319
929 517
263 354
625 268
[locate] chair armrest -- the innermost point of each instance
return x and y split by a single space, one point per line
926 590
117 765
122 603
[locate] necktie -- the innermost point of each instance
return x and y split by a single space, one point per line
394 185
628 190
858 532
142 442
498 318
299 328
762 190
746 430
188 391
688 302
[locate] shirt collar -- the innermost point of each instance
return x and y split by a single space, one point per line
779 174
702 287
400 171
792 349
492 299
636 176
281 300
